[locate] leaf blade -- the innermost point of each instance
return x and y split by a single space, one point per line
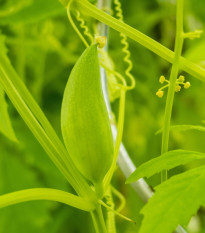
174 202
167 161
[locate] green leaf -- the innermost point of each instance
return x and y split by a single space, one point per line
174 202
167 161
38 10
5 123
184 128
84 119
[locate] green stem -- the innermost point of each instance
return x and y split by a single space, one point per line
45 194
184 64
110 214
98 220
120 126
173 77
40 126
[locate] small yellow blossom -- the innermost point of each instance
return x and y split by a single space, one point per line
187 85
160 93
178 88
162 79
181 78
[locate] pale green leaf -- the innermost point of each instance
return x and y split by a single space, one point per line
184 128
5 123
166 161
174 202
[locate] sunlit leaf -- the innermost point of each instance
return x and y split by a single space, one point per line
167 161
174 202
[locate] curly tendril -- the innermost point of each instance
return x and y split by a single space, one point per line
125 44
84 27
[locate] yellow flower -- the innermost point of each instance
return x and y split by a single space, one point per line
178 88
187 85
162 79
181 78
160 93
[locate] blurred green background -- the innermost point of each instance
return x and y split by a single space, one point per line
43 48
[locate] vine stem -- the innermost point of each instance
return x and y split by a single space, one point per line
87 8
173 77
124 161
111 228
35 194
98 220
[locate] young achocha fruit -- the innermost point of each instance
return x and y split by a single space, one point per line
84 120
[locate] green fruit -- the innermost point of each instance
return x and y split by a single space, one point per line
84 119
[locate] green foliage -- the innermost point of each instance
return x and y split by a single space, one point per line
174 202
5 123
185 128
3 47
36 11
167 161
43 48
84 119
23 219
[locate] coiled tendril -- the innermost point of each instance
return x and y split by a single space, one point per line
125 44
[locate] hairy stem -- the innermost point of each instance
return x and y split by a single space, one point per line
173 77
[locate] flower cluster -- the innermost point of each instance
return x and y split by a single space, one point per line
179 83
